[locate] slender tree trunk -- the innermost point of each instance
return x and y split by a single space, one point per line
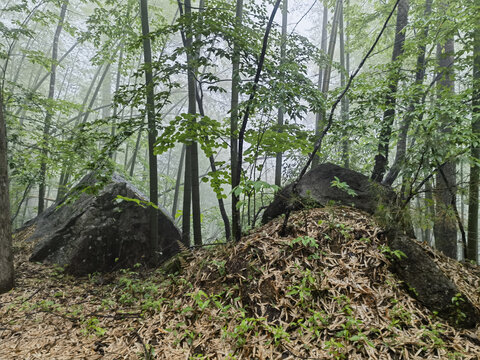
187 197
48 116
106 100
136 150
323 46
38 83
324 74
410 114
331 47
65 173
280 120
6 255
345 71
211 159
236 224
381 159
178 181
445 228
472 250
250 105
152 130
115 107
192 149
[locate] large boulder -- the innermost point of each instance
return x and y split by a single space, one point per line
315 188
99 232
428 284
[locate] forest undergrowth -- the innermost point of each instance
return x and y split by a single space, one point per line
324 291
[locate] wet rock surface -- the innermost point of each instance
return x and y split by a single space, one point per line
315 188
99 233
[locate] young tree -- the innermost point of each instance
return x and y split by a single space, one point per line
345 72
236 227
415 102
151 124
445 229
48 116
6 256
472 250
381 159
283 46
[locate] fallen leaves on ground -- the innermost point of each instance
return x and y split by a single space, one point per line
324 291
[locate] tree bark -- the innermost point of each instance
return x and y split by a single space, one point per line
445 228
151 125
192 149
48 116
236 224
344 105
115 107
410 114
472 250
6 255
249 108
323 47
178 181
381 159
280 117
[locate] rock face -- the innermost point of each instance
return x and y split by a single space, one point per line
101 233
316 188
429 285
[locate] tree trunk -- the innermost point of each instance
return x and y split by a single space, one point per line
445 228
381 159
187 196
250 106
323 46
152 131
211 159
327 72
410 114
236 224
48 116
472 250
65 173
178 181
345 71
6 256
283 46
115 107
192 149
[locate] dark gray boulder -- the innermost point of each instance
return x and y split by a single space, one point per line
99 233
315 188
429 285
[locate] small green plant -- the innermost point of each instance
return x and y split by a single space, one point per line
279 334
392 254
306 241
457 301
201 299
91 326
240 332
304 289
220 266
335 348
343 186
433 334
400 317
58 271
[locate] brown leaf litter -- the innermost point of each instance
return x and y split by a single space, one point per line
322 292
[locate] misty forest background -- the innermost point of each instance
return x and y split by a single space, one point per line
179 96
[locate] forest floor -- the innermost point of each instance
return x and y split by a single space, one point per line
322 292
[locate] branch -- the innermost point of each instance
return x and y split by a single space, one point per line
318 143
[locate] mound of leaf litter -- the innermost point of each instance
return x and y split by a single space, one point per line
322 292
